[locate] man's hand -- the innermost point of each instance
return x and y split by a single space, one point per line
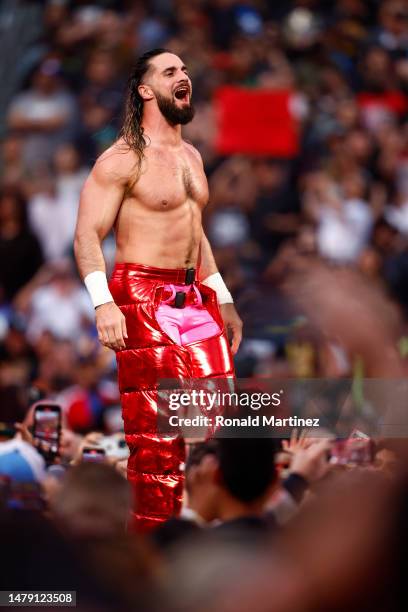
233 325
24 433
298 441
312 462
69 443
111 326
90 440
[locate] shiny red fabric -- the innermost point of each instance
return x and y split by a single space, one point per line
151 355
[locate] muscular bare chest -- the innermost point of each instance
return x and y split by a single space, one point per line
168 180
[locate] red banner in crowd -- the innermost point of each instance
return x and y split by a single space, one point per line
394 101
255 121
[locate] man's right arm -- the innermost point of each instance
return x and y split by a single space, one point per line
101 198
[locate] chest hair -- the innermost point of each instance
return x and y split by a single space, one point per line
188 182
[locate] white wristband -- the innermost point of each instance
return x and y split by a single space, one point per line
97 285
214 281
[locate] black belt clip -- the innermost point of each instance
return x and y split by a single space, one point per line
180 299
190 276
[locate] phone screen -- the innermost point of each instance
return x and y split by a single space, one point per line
96 455
352 451
47 427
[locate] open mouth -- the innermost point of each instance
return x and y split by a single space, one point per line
182 92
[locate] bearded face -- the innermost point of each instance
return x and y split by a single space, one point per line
168 83
173 112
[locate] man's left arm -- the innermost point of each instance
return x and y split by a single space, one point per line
210 276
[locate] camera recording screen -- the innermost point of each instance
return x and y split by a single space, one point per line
95 455
47 428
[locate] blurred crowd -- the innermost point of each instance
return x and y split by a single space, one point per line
267 524
314 248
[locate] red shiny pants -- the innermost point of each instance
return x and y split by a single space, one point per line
150 356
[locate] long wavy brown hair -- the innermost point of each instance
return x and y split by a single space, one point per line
132 131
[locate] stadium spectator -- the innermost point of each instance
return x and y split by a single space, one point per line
18 245
61 307
92 501
44 115
53 207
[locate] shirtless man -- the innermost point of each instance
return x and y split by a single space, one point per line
166 311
